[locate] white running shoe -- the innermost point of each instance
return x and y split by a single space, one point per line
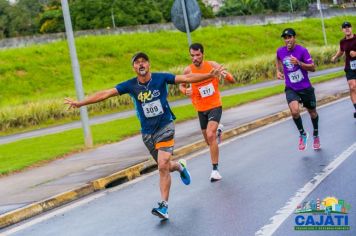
215 176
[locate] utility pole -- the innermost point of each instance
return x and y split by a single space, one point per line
76 72
291 5
112 14
186 22
322 21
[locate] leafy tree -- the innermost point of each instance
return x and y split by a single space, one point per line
24 17
4 18
241 7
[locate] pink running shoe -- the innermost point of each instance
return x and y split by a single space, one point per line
303 141
316 144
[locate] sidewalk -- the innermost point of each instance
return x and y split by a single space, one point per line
125 114
31 192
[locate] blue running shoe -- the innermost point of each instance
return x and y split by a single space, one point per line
161 211
184 175
303 141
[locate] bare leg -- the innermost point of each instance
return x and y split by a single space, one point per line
352 86
294 109
211 138
164 167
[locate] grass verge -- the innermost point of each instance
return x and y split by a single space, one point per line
39 150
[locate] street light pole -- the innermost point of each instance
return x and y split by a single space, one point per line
186 22
322 21
291 5
76 72
112 15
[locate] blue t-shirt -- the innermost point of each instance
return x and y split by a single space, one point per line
150 100
296 78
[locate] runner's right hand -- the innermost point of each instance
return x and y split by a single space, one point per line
280 75
333 59
71 103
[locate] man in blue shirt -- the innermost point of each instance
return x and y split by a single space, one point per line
149 92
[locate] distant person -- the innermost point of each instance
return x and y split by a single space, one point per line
206 100
149 91
296 62
348 46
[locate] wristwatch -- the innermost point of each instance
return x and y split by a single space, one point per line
300 63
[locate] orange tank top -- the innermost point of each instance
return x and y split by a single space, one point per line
205 94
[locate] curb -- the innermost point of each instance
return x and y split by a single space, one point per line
130 173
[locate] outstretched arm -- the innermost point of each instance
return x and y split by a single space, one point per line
193 78
184 87
225 74
97 97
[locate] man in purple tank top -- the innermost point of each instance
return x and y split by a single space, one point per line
296 61
348 46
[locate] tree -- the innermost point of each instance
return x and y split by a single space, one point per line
4 18
51 19
241 7
24 17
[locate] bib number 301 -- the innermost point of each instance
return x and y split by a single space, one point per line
152 109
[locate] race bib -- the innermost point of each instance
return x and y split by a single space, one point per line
152 109
353 65
206 90
296 76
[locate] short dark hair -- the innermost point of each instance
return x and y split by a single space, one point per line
197 46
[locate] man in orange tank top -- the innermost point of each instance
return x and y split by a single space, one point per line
207 101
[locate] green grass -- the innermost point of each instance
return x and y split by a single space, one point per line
38 150
43 72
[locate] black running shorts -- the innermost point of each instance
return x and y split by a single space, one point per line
350 74
209 115
304 96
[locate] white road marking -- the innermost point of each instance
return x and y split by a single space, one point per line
80 202
283 213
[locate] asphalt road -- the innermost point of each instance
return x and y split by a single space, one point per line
264 179
124 114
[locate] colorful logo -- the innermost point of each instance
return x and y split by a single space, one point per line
147 95
287 63
327 214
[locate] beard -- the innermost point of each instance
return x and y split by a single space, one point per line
197 63
142 71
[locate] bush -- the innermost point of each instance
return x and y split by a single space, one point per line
247 71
